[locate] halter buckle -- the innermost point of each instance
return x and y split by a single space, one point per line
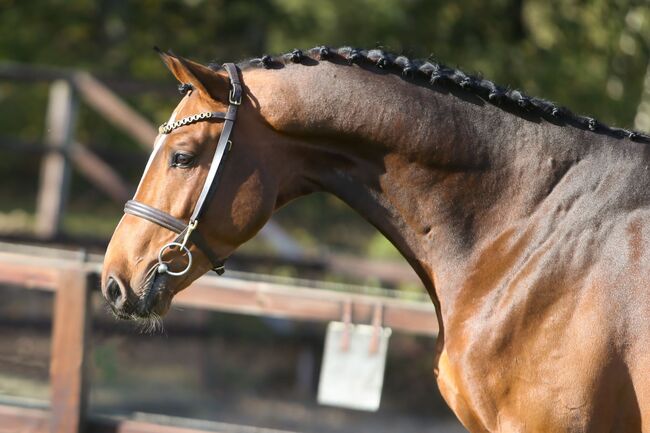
231 99
190 228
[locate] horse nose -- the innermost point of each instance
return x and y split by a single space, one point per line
115 293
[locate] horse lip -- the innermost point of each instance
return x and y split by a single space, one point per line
123 316
151 295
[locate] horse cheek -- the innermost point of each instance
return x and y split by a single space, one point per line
251 208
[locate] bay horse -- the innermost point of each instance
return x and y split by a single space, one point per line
527 224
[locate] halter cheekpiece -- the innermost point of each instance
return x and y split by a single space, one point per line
187 232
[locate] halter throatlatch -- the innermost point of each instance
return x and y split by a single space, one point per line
187 232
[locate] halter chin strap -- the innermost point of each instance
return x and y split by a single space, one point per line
187 232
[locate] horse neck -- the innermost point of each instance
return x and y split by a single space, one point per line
435 173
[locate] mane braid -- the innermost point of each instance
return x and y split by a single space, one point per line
438 74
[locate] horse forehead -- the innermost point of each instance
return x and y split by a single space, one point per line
160 140
192 103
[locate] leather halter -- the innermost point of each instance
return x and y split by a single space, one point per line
187 232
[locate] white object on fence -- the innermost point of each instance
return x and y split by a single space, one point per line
352 372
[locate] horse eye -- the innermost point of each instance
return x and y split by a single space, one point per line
181 159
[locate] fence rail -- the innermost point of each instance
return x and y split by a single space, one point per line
72 277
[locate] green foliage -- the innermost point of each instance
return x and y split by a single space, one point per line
105 362
563 49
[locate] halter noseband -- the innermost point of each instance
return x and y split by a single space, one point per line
187 232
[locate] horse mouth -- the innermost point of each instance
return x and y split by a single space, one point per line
149 303
155 297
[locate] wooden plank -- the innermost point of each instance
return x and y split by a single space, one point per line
70 333
116 111
22 420
14 71
15 419
36 254
100 174
23 72
127 426
55 169
266 299
256 298
28 275
153 423
87 162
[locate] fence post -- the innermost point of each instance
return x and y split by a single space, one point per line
70 334
55 168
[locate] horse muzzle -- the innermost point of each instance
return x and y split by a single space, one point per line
153 297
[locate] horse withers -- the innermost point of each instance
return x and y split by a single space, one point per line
527 224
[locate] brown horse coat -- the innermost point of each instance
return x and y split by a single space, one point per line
530 235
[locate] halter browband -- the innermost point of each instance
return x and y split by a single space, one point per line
187 231
207 115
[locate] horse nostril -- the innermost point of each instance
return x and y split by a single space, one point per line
113 292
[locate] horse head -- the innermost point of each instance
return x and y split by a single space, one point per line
200 196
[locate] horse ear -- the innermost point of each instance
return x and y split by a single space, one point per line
201 77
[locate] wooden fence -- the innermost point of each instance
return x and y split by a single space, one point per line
73 277
67 89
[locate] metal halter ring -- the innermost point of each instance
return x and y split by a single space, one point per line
162 266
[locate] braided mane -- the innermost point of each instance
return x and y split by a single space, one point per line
438 74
